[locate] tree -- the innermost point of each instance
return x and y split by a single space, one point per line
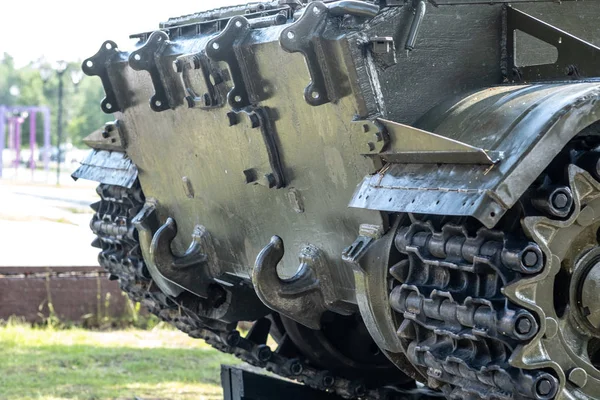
82 113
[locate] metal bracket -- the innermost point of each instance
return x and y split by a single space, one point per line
174 273
110 137
190 66
369 258
97 65
383 50
305 36
368 137
259 118
304 297
226 47
576 57
150 58
404 144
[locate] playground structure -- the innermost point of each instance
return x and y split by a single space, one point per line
14 117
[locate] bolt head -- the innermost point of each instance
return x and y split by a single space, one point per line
544 387
233 338
264 353
296 368
560 200
524 326
530 258
328 381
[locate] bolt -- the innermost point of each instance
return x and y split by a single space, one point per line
105 134
530 258
296 367
328 381
233 338
360 390
280 19
560 200
524 326
263 353
545 387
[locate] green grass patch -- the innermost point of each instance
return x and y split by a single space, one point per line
51 364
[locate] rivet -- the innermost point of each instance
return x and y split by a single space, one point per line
578 377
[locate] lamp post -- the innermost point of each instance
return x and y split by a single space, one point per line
60 68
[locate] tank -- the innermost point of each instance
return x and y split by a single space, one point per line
405 195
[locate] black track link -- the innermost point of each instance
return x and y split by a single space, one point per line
458 326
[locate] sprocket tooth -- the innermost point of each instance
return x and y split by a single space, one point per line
97 243
96 206
407 330
400 271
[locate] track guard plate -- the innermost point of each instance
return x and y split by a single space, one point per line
109 167
528 124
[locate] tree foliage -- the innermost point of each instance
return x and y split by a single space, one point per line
81 103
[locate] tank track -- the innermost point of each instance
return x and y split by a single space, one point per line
458 325
121 256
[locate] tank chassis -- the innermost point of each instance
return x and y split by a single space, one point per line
464 138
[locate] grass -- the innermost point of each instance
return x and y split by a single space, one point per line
51 364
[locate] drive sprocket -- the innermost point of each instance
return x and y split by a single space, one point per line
565 295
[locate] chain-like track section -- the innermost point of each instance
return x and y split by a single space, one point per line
121 256
458 326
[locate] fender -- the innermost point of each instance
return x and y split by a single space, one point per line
527 124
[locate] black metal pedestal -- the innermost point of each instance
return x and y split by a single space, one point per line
241 384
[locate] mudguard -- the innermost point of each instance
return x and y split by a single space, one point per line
527 125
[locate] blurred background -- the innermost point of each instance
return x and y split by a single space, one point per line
66 331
